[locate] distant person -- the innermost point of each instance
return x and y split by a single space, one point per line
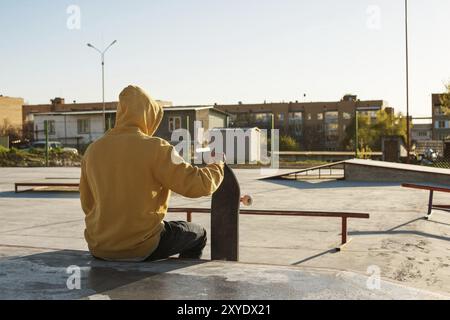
126 180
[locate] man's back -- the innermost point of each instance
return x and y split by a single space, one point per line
126 180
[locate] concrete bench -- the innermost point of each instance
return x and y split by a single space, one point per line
68 275
431 188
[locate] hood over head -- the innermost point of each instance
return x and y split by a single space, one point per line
137 109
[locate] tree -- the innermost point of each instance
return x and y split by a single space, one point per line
314 137
445 100
7 129
370 132
288 143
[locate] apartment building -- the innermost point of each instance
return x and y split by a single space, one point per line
317 126
441 121
79 128
59 105
421 132
11 111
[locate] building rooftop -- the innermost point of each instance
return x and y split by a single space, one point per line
347 98
60 102
73 113
89 112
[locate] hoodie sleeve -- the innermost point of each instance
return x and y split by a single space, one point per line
181 177
86 197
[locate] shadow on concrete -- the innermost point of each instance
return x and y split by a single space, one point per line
333 184
405 224
438 222
40 195
394 231
45 275
314 257
409 232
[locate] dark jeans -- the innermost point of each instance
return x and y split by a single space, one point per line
180 237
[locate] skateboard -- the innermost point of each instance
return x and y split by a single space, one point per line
225 207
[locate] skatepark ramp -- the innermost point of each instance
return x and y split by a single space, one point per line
378 171
351 170
359 170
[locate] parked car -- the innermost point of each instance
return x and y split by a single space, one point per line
52 145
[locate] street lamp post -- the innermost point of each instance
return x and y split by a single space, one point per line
102 55
356 133
408 120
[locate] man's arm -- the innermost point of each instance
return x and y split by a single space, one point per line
181 177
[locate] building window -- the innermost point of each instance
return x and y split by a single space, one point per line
332 119
331 116
320 116
441 124
174 123
309 116
296 123
295 117
423 134
263 117
438 111
261 120
331 126
84 126
372 115
280 117
347 115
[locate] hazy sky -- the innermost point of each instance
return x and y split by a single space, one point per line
206 51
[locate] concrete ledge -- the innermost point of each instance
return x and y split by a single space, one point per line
45 276
378 171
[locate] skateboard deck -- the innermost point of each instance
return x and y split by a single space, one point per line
225 207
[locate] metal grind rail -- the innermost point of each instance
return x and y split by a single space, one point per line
219 242
320 172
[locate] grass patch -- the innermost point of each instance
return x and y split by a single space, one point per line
36 158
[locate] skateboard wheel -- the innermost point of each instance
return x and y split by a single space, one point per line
247 200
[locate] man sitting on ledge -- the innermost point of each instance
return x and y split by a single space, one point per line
126 180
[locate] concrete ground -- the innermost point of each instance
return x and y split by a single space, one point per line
50 275
396 241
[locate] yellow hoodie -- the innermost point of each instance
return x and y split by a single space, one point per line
126 178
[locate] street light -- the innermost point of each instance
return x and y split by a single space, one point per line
408 124
408 118
102 54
